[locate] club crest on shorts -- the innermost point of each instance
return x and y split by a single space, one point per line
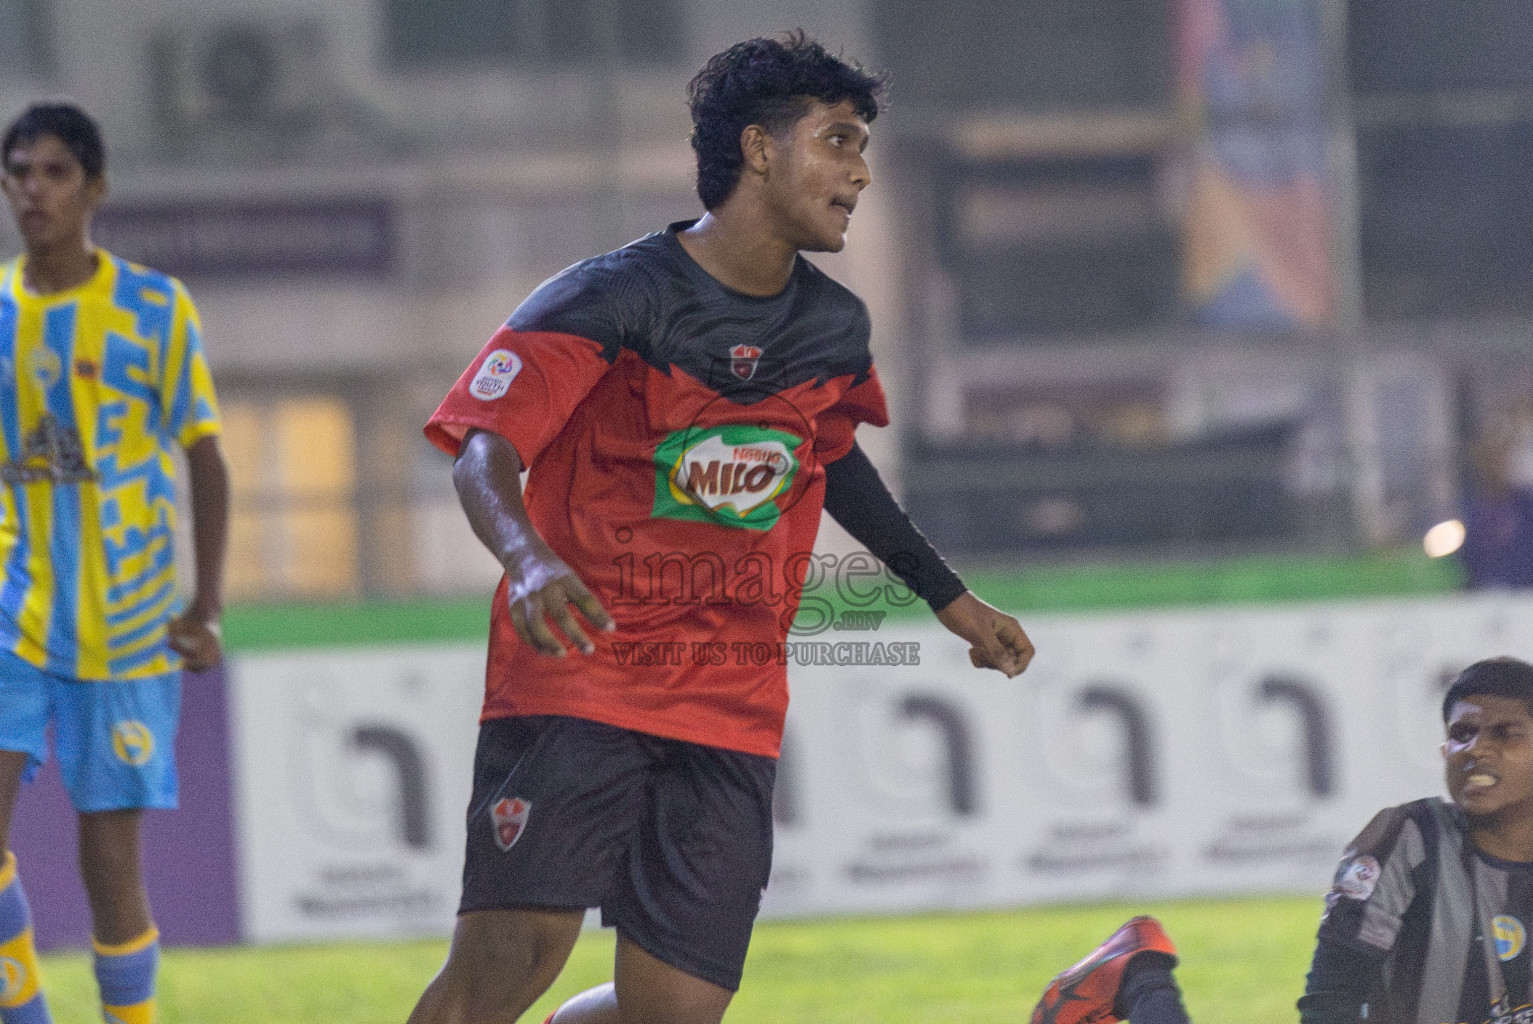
743 360
132 742
509 819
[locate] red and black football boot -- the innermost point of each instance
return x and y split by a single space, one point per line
1086 992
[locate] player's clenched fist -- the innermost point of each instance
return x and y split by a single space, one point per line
996 639
198 641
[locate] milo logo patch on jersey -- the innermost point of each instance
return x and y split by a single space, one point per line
729 475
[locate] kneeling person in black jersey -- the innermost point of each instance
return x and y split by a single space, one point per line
1427 920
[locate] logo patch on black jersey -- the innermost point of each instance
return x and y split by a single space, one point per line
1358 878
743 360
730 475
1509 934
495 375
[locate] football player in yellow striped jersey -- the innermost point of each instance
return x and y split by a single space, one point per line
102 376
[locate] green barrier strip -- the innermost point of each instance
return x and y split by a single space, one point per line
1055 588
364 623
1237 581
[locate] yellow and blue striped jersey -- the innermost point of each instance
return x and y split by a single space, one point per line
97 386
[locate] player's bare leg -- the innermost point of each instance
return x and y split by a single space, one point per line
650 991
501 961
11 764
127 946
112 870
647 991
593 1006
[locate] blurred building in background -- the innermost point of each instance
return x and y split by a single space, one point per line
1146 275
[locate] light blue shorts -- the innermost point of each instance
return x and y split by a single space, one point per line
115 740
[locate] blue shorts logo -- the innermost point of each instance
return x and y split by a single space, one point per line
132 742
1510 935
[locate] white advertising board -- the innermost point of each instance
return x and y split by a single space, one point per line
352 778
1144 754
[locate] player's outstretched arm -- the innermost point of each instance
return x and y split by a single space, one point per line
540 585
856 497
195 633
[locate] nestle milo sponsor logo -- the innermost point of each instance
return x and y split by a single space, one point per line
719 474
727 474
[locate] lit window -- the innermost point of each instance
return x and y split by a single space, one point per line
293 525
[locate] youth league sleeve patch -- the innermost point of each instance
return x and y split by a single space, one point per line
1357 879
495 375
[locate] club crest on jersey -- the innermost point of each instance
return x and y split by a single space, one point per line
509 820
495 375
1510 936
730 475
743 360
46 367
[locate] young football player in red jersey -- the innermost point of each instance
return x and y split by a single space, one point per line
685 406
1427 919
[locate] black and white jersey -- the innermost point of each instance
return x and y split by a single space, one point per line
1442 927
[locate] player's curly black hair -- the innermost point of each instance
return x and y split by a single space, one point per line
1494 677
65 121
767 82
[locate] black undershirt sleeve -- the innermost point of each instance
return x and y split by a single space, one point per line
1341 981
855 497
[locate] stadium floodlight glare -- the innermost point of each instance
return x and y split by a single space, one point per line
1444 539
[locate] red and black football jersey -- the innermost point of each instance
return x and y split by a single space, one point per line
675 434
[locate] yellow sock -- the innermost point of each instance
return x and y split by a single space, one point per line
138 1013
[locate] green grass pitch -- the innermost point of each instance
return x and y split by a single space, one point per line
1242 960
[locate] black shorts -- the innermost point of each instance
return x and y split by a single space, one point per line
672 840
